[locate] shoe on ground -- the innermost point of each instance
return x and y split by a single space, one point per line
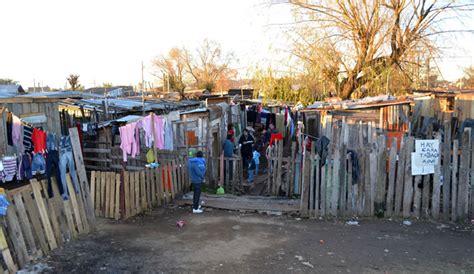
197 211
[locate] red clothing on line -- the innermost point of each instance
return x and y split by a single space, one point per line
39 140
275 137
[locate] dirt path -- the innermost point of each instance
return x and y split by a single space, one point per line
230 242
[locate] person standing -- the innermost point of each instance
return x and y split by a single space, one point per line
229 153
256 159
246 142
197 170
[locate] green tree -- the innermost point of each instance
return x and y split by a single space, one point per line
107 85
6 81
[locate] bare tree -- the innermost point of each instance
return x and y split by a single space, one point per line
368 38
172 70
209 64
73 81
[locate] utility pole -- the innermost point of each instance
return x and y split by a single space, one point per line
143 90
428 73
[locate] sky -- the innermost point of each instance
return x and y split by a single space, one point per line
106 41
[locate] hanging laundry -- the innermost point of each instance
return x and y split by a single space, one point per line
39 140
9 167
24 167
66 161
27 141
9 125
17 134
129 144
158 124
53 168
169 142
38 164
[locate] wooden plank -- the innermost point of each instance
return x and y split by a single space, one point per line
305 186
279 168
98 193
97 150
85 193
391 177
472 179
323 188
16 236
34 214
108 186
342 176
159 185
69 218
311 181
426 198
75 206
112 195
7 256
117 197
53 215
133 207
400 178
317 183
446 169
408 183
381 177
464 171
148 188
126 190
103 193
153 186
143 190
454 185
335 183
417 197
43 214
25 225
373 182
435 198
93 187
138 208
59 205
170 179
350 188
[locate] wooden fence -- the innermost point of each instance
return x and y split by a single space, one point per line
36 224
385 186
126 194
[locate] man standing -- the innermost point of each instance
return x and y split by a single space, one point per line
197 169
229 153
246 142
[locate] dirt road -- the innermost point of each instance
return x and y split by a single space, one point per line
231 242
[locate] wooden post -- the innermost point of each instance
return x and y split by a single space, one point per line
408 181
446 146
391 177
454 186
311 182
400 178
154 136
317 185
292 170
335 183
463 184
435 198
305 187
381 179
279 168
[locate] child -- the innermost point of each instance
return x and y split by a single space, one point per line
251 170
256 159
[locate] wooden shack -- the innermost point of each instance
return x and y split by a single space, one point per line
39 111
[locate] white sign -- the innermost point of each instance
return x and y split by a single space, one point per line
428 151
419 170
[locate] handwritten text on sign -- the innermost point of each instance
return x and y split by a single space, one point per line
428 151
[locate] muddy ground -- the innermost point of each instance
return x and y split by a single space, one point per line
229 242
